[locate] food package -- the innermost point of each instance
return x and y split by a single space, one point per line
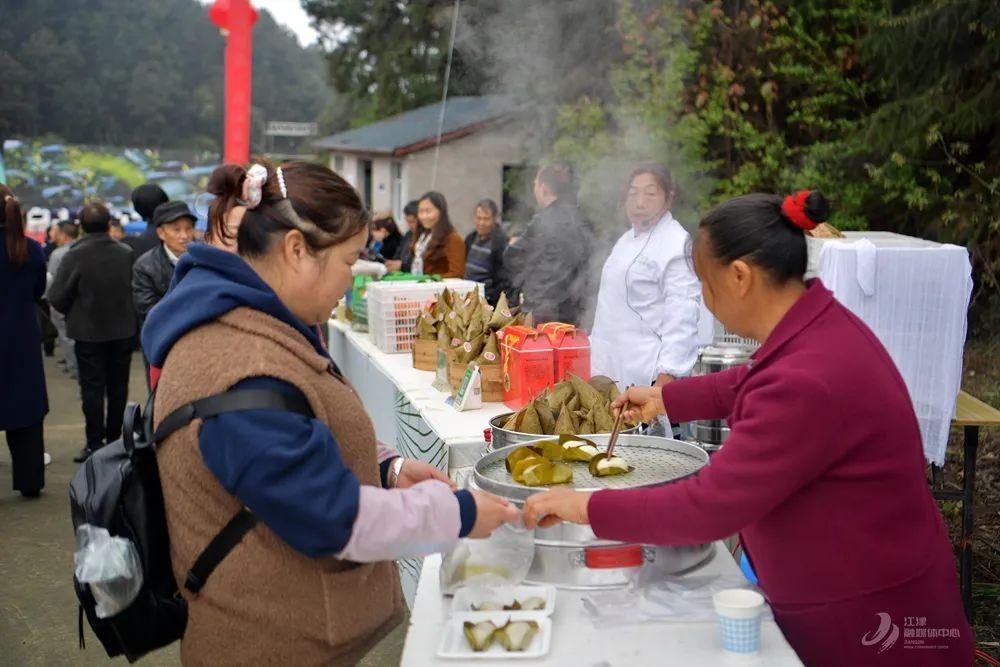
502 558
527 365
571 349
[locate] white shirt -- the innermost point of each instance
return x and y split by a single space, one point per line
417 268
648 307
171 256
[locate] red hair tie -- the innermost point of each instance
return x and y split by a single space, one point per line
794 208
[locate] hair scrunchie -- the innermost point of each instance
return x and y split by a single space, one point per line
253 186
794 209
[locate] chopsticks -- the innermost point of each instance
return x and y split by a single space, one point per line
616 429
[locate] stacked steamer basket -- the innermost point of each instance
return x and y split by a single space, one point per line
570 555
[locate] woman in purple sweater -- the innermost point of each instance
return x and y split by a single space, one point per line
823 474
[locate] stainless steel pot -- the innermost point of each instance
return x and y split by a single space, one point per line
710 434
572 556
502 437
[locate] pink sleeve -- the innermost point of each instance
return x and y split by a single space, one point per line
385 452
403 523
702 397
781 445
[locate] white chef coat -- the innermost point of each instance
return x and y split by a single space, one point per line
648 307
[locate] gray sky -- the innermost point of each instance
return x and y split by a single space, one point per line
288 13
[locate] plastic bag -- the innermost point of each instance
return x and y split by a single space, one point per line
657 599
110 566
503 558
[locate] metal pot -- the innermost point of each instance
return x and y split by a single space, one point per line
571 556
710 434
502 437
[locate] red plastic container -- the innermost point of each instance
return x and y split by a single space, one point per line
571 348
528 365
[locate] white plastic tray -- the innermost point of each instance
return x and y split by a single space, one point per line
455 647
469 596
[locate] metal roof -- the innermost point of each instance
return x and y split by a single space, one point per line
417 129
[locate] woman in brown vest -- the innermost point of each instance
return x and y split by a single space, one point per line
313 583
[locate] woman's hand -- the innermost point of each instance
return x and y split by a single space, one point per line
491 513
662 379
644 404
549 508
415 471
393 264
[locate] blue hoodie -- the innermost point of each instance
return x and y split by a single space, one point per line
286 468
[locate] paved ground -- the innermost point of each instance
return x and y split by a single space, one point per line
38 611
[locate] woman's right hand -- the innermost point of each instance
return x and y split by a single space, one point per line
644 404
393 264
491 513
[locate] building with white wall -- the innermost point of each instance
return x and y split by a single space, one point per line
392 161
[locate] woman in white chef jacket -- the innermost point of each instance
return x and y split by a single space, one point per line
648 307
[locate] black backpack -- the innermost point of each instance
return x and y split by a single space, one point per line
118 488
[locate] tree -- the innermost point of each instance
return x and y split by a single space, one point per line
390 56
145 73
930 146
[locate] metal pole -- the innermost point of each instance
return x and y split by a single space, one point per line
444 95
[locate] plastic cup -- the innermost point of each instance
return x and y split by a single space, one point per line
739 612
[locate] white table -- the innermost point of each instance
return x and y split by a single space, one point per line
388 385
576 642
410 414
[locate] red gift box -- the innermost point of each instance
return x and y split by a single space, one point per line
571 348
528 365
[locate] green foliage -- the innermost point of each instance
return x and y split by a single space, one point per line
104 164
389 56
120 72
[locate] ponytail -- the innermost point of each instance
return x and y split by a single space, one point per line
226 183
12 220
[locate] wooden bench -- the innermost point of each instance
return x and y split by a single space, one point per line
971 414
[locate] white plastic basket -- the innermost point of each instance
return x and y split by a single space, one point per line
393 309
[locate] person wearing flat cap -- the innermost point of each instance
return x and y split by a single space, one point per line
174 223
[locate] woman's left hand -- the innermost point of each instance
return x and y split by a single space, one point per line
662 379
549 508
415 471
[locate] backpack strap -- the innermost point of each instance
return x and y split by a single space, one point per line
231 401
220 546
244 520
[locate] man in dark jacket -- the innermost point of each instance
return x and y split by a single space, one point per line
484 249
548 264
93 288
403 259
145 199
151 275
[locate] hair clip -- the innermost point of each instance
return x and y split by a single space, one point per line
281 184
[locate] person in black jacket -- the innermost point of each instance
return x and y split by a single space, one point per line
145 199
93 288
403 260
548 265
152 273
484 250
383 243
